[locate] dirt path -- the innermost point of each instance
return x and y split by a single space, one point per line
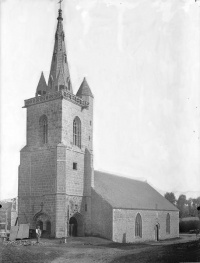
92 250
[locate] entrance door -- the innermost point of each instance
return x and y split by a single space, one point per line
157 232
73 225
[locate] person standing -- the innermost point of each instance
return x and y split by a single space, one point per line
38 233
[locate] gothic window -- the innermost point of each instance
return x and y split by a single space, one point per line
138 226
44 129
168 224
77 132
65 58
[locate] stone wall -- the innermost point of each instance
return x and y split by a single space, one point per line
46 174
124 225
101 217
53 111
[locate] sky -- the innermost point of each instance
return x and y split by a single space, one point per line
141 59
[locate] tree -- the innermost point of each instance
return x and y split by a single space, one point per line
170 197
182 206
190 207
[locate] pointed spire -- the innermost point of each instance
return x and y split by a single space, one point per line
42 86
59 77
84 89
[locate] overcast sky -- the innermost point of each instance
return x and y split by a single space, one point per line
141 59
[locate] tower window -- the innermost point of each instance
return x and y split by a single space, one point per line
90 123
44 128
74 166
85 207
89 138
65 58
77 132
138 226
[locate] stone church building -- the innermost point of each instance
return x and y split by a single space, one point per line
58 187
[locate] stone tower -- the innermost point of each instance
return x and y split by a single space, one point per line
56 165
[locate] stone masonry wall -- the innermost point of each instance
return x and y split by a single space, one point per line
37 178
46 173
101 217
124 225
76 183
53 111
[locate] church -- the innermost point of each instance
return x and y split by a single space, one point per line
58 188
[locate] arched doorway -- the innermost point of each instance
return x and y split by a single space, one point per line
73 226
48 228
43 220
157 227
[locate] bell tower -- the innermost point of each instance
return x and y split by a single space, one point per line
56 165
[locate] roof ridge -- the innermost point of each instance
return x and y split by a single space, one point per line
121 176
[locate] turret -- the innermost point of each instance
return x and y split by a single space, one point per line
42 86
84 91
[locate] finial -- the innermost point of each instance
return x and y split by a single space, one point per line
60 11
60 3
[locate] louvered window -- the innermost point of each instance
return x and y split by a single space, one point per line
77 132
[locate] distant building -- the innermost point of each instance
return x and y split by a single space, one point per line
58 187
8 214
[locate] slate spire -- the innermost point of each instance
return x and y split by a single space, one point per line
84 90
42 86
59 77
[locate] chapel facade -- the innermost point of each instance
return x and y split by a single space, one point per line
58 188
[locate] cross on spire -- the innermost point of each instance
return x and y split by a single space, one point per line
59 77
60 3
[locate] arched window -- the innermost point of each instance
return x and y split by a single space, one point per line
138 226
168 224
77 132
44 129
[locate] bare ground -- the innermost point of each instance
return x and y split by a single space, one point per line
91 249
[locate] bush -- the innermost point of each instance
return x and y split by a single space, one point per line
186 226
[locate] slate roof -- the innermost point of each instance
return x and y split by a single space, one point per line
59 72
122 192
84 89
42 86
